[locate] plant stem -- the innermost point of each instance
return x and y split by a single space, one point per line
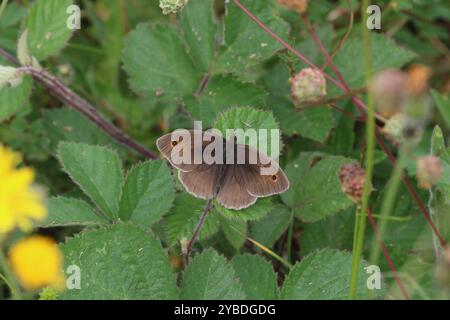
8 277
289 237
3 6
65 94
370 150
388 205
271 253
198 227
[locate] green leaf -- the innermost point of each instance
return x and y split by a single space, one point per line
119 262
157 63
318 193
246 43
148 193
438 149
323 275
235 231
69 125
14 98
199 29
443 104
270 228
254 212
210 277
64 212
334 232
249 118
313 123
47 27
9 24
258 279
385 52
97 170
223 93
184 216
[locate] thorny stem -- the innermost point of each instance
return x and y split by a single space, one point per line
63 93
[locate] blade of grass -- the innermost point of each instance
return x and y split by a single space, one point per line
369 158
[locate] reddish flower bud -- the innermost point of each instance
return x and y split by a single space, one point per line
352 178
297 5
428 171
389 91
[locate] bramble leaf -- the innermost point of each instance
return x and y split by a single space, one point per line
270 228
258 279
209 276
47 25
323 275
69 125
199 29
221 94
184 216
385 52
234 230
70 212
318 193
249 118
246 43
254 212
148 193
14 98
119 262
97 170
157 63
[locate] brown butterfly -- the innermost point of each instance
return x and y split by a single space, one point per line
236 184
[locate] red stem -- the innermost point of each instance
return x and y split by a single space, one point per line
388 258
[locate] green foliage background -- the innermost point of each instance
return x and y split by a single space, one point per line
121 218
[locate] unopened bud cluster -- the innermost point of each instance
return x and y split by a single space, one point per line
352 178
172 6
401 97
428 171
309 85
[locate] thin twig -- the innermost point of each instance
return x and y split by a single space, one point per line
198 227
66 95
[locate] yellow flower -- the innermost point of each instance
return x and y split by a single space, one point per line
19 202
37 262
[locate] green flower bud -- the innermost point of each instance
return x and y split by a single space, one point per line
309 85
172 6
48 293
400 129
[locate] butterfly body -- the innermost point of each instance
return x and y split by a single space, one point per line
233 175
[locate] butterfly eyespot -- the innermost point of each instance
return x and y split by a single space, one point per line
274 178
174 143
